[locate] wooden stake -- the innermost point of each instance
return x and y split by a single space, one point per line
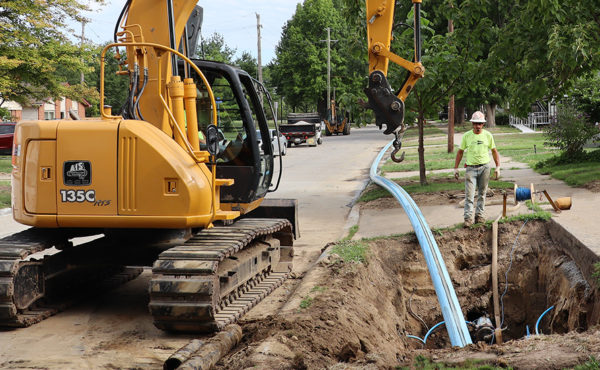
498 331
504 196
551 202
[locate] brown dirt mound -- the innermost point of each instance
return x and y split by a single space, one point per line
359 315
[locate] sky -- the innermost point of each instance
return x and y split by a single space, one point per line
235 20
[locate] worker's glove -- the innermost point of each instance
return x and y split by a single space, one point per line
497 173
456 173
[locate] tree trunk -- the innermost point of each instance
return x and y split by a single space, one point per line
422 176
451 120
460 114
490 114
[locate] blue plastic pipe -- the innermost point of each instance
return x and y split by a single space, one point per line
537 323
451 311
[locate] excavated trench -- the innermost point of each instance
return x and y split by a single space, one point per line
541 273
366 313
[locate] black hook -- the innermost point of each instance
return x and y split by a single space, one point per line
397 145
393 155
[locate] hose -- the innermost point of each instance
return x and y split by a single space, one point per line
537 323
451 311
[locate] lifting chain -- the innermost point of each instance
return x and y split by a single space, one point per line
397 145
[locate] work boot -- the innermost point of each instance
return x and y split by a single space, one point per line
479 219
468 223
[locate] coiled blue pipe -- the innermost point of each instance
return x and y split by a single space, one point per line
451 311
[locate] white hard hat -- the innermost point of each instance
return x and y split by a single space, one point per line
478 117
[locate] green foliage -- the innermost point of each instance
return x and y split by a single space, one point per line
5 164
300 69
306 302
575 170
215 48
571 131
4 114
424 363
116 87
353 230
502 119
35 49
591 364
432 187
318 289
351 251
596 273
585 95
5 195
248 63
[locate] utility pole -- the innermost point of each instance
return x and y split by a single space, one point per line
259 59
81 45
329 41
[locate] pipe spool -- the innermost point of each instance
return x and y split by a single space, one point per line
522 194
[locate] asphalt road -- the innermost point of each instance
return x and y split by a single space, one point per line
115 330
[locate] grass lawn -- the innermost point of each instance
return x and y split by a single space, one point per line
5 163
574 173
5 194
494 130
428 131
437 183
436 158
525 148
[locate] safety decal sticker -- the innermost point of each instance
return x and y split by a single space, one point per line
77 173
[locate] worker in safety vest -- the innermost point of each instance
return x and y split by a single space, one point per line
477 143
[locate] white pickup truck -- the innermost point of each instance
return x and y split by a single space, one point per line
274 135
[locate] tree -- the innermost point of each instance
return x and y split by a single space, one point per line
570 132
215 48
300 70
585 95
248 63
33 48
545 46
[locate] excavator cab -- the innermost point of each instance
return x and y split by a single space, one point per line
239 117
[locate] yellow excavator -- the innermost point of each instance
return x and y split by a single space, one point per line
174 179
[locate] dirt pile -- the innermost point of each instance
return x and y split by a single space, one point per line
359 315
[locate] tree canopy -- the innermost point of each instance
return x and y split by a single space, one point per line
303 51
34 47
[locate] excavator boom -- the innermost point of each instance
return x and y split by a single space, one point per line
388 106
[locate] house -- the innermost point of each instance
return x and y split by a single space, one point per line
45 110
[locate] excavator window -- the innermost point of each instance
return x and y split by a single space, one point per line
239 116
233 148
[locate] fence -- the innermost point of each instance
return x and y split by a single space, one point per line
533 120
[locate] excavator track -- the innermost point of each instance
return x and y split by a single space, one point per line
38 281
219 274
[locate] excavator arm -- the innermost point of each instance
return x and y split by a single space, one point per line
387 105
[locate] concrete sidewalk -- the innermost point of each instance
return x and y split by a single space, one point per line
582 220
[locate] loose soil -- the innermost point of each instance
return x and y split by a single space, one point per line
593 186
359 315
